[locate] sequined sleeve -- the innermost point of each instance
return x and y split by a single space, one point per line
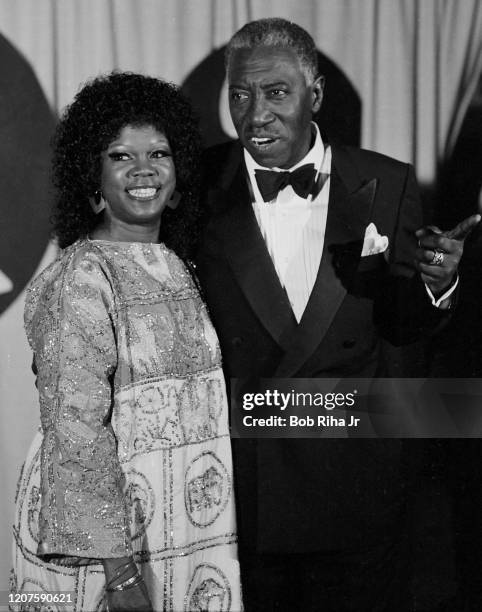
70 322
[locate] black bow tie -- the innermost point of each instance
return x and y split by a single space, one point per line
270 183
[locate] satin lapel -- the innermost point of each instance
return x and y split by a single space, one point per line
251 263
348 216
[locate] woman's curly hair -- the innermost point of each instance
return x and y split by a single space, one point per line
95 118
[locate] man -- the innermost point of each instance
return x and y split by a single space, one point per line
304 275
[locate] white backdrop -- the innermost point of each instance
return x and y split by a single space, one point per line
415 65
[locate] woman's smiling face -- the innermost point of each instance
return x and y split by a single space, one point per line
138 178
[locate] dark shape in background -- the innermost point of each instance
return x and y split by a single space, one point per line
26 126
458 350
339 118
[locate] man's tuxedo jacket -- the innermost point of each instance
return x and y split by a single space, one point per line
316 495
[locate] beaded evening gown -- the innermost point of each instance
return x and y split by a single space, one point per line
134 454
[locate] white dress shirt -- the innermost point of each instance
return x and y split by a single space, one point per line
293 227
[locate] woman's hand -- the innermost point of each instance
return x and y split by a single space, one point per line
125 588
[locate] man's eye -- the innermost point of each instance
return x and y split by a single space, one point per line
278 93
117 156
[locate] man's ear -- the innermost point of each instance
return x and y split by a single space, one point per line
317 93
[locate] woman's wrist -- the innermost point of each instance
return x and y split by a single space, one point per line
125 585
118 571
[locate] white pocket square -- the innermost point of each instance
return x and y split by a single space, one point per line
373 243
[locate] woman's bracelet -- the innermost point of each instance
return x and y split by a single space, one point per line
120 572
130 583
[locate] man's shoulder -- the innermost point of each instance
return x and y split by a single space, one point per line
220 163
368 162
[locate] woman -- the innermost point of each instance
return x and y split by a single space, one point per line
126 496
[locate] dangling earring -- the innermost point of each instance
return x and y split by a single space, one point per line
174 200
97 202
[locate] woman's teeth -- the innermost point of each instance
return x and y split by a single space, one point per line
142 193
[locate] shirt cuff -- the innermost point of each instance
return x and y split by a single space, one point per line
437 302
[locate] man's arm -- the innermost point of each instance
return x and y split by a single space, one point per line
438 256
404 312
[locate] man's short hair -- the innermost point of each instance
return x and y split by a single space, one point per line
277 32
